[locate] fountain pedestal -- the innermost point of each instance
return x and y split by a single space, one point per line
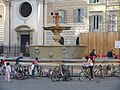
57 36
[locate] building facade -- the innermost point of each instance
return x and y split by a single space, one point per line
23 22
85 16
20 24
1 22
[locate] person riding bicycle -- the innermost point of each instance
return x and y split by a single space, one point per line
88 64
85 63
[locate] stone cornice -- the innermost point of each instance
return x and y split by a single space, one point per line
7 2
42 1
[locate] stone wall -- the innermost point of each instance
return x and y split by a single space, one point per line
1 22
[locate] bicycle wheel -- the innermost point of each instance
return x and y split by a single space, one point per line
108 73
117 73
81 76
54 77
96 73
20 76
99 73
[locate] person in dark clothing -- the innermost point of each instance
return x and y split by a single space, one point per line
92 53
109 54
114 56
20 57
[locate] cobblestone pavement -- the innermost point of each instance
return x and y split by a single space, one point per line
110 83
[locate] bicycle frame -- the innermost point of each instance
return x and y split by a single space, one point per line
84 73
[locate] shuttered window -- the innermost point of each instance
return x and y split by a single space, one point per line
78 15
62 13
95 23
112 22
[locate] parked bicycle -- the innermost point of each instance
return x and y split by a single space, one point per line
45 73
2 70
60 72
112 71
99 72
18 72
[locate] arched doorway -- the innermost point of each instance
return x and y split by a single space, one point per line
24 35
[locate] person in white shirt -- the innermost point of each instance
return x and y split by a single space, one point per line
8 71
33 69
91 63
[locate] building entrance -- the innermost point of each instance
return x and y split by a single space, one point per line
24 40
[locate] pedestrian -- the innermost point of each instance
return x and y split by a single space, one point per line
92 53
33 70
3 62
110 54
114 56
36 63
20 57
8 71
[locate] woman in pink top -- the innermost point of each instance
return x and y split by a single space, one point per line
36 63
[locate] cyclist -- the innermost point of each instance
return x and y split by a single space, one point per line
86 64
91 63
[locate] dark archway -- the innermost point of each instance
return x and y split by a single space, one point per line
77 41
61 41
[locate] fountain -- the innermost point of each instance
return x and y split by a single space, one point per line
57 51
57 29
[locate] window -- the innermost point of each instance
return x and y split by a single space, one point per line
62 13
95 23
25 9
112 22
79 15
94 1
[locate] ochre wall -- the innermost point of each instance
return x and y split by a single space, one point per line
101 41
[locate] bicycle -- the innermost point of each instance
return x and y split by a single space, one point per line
84 73
60 72
19 73
44 73
116 73
100 72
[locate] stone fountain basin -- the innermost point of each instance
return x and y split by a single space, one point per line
57 28
58 52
